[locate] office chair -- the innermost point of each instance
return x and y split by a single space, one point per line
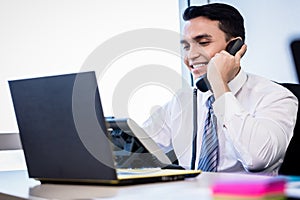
295 48
291 164
11 155
10 141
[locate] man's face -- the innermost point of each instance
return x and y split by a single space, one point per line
202 39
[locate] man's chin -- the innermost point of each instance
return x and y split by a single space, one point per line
197 73
197 76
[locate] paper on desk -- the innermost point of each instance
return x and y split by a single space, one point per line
293 186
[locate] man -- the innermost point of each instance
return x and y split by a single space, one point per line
255 117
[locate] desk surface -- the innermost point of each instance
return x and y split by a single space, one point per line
16 185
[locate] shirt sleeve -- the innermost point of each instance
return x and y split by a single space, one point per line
158 128
260 137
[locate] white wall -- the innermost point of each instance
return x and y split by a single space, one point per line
45 37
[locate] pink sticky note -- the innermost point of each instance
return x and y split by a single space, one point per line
271 186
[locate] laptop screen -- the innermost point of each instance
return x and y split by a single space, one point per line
62 127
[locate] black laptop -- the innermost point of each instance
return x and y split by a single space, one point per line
64 134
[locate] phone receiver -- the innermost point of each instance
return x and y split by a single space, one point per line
202 82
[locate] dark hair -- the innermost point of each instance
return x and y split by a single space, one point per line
230 20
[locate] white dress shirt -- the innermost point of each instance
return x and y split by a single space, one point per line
255 123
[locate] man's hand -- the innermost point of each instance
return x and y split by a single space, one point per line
222 68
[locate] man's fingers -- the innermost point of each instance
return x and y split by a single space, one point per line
242 51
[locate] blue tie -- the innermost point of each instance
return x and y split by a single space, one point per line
208 160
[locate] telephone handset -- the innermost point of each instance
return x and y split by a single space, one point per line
234 46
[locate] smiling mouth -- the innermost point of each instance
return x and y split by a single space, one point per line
198 65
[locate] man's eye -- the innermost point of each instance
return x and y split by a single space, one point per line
186 47
204 43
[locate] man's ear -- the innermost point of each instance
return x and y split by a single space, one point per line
234 45
234 38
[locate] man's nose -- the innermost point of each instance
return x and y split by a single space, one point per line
194 52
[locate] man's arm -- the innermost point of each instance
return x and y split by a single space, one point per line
158 128
260 139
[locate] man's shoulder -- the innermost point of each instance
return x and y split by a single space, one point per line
257 83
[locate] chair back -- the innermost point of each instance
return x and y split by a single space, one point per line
291 164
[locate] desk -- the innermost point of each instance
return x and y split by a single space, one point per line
16 185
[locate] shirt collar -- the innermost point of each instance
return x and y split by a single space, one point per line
205 96
239 80
234 85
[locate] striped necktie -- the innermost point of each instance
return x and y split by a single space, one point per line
208 160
